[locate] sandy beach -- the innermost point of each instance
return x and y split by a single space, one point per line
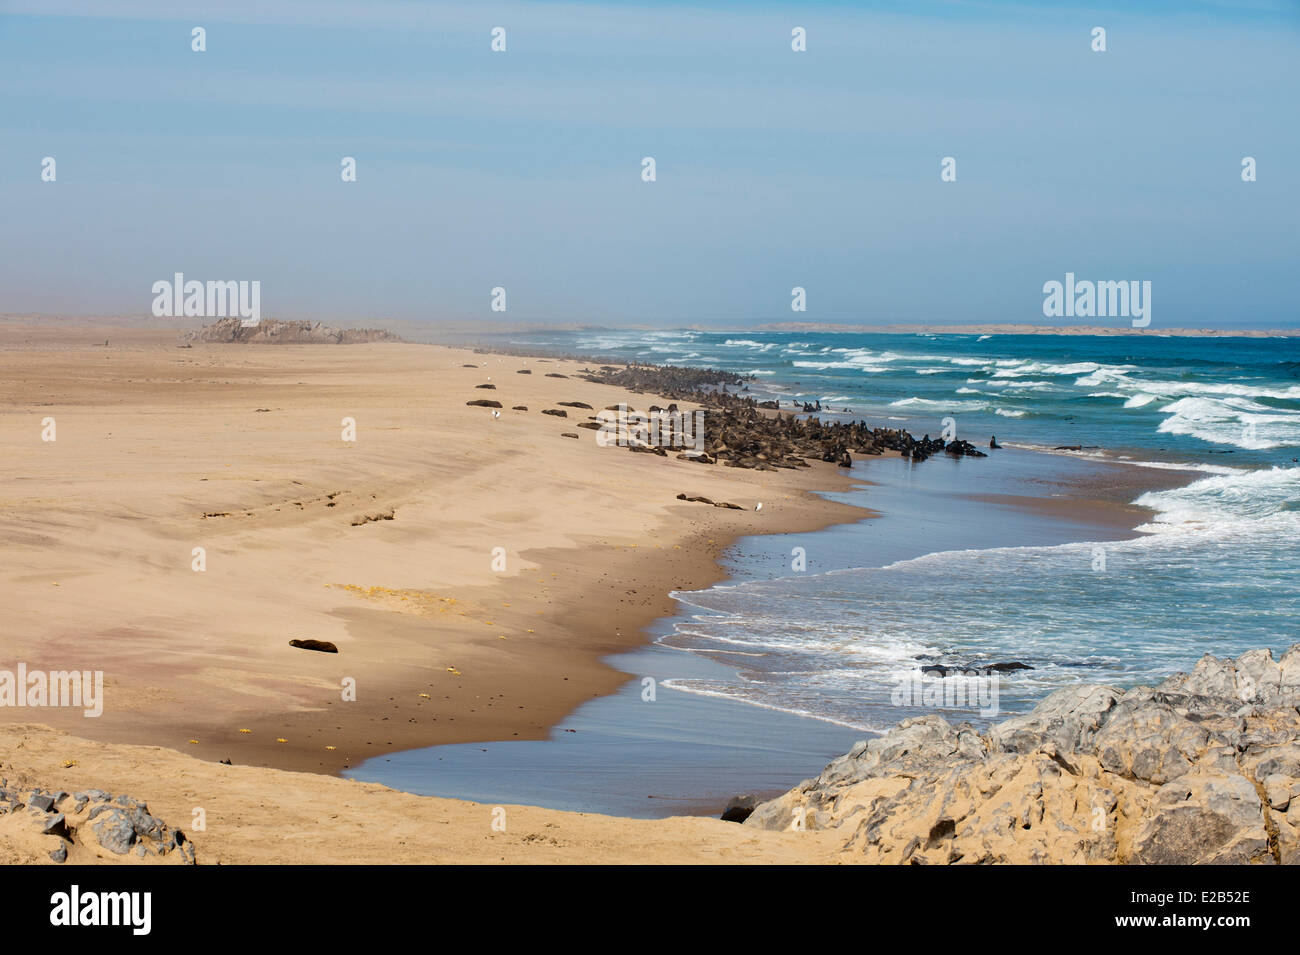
383 546
238 450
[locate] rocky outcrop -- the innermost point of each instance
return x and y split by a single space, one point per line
94 820
274 332
1203 768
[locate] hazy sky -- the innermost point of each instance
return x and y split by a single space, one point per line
775 169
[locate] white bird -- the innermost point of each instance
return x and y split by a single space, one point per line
758 506
496 414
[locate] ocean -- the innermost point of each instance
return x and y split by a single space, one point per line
1214 569
956 572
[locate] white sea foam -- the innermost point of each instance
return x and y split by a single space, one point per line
938 404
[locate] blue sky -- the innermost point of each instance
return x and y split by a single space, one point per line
775 169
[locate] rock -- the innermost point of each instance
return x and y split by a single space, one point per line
524 371
115 831
489 387
1281 790
972 668
555 374
519 408
575 404
568 434
556 412
739 808
485 403
1204 818
57 825
60 853
1182 773
321 646
41 803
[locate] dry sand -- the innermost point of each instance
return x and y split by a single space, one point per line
238 450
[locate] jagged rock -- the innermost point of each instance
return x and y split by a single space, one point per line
739 808
485 403
115 831
1180 773
40 802
559 413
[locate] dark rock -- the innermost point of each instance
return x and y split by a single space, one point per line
41 803
115 832
555 411
489 387
483 403
739 808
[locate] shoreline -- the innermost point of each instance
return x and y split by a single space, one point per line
616 763
518 687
